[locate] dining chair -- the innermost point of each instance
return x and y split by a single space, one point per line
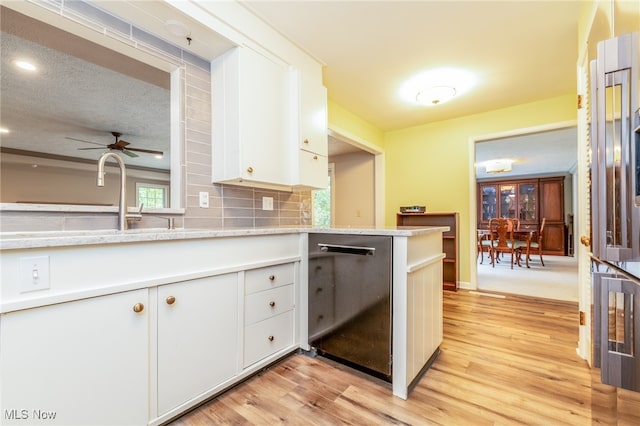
484 244
535 244
503 241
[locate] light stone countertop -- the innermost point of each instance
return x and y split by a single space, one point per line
27 240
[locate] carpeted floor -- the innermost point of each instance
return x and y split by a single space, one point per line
558 279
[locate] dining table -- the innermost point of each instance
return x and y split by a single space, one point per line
518 234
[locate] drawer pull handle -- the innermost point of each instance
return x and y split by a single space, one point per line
272 304
250 169
271 338
171 300
272 277
138 307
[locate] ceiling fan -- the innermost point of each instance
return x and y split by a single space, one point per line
120 145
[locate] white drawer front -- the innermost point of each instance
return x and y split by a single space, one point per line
261 279
267 337
266 304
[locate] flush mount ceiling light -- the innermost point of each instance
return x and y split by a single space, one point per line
177 28
436 86
435 95
498 166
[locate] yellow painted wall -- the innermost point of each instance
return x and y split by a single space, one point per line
350 125
431 164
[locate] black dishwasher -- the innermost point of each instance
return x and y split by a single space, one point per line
350 300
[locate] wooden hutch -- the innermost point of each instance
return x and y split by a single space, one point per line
528 200
450 242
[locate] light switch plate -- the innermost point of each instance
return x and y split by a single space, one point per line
204 200
267 203
33 273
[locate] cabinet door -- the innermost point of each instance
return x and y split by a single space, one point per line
312 170
508 202
313 113
252 116
77 363
527 202
197 337
552 200
488 202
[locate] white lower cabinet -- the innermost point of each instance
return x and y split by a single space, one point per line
77 363
269 306
197 337
268 337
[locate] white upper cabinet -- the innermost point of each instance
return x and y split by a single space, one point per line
269 122
313 112
251 115
310 164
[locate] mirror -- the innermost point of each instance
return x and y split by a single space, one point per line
60 117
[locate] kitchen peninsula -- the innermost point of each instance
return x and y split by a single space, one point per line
137 327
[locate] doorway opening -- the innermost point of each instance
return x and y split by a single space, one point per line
324 202
539 155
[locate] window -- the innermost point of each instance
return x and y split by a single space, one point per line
151 195
323 204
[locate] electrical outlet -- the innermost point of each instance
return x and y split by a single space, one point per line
204 200
33 273
267 203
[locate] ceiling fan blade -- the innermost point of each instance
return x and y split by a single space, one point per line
129 153
148 151
82 140
121 144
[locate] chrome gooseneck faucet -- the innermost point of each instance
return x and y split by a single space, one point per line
122 215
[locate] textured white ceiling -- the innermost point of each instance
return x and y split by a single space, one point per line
76 98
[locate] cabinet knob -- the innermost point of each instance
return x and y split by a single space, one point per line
250 169
586 241
138 307
315 157
272 304
272 277
271 338
306 141
171 300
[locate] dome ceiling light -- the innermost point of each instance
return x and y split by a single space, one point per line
435 95
436 86
177 28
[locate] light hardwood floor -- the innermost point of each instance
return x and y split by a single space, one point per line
503 361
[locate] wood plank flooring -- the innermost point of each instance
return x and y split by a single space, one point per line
503 361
